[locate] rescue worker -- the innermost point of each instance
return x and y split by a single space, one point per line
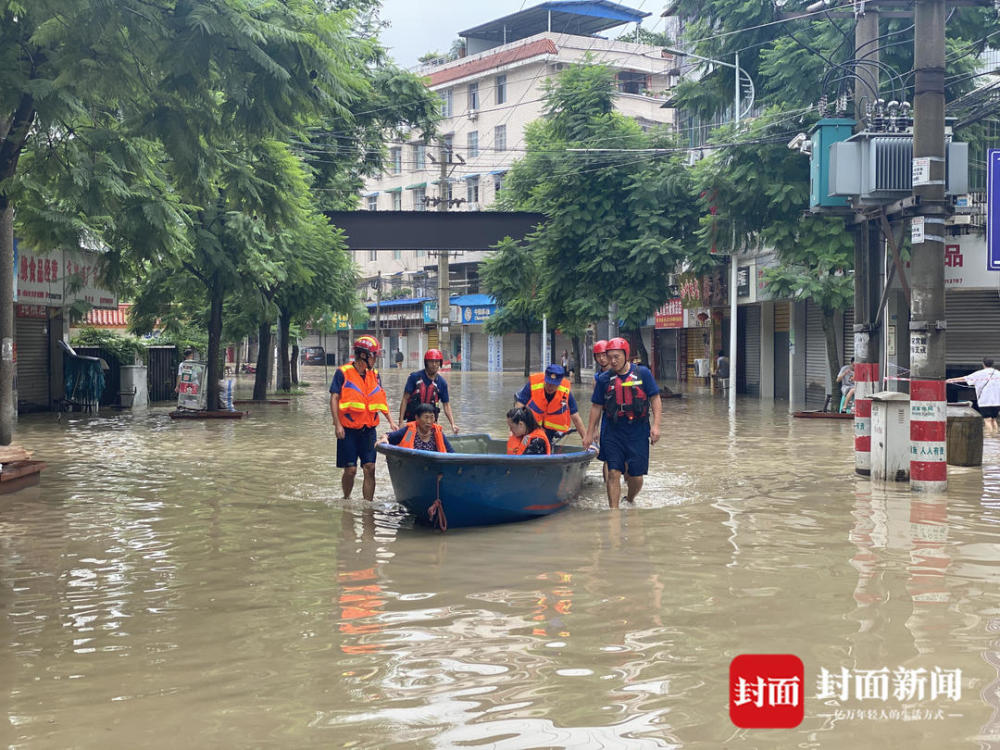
600 358
427 387
526 437
422 434
356 400
625 395
550 400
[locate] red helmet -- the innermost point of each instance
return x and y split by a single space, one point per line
367 344
618 343
434 354
600 347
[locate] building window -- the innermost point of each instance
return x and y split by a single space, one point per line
497 183
421 254
419 199
630 82
397 254
396 159
397 202
473 97
420 155
501 89
473 136
446 102
372 255
500 138
472 190
372 202
449 147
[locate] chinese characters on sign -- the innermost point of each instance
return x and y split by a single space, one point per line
704 291
53 279
743 281
671 314
902 684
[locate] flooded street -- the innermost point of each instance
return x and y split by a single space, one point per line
203 584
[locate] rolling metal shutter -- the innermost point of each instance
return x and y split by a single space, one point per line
815 357
751 365
973 326
848 335
32 337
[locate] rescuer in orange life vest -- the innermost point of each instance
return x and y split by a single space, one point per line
356 400
526 437
422 434
548 396
427 387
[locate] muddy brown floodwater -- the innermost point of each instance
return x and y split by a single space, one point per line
202 584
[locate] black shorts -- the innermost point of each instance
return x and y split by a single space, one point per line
990 412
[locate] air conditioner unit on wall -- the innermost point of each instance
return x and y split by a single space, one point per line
473 114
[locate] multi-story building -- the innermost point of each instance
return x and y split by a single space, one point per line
488 97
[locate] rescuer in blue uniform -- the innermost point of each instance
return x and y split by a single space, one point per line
626 395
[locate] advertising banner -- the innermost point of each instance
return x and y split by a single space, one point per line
191 391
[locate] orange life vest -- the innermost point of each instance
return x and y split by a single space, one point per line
517 445
411 433
361 399
551 414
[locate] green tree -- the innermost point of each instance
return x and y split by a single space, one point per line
616 225
511 275
758 189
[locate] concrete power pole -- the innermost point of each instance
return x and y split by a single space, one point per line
866 247
444 286
928 402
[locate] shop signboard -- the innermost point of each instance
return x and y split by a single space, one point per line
191 391
743 281
472 315
708 290
430 311
59 278
670 315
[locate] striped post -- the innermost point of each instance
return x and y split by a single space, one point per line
928 436
865 378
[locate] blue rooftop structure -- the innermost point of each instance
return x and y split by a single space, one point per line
473 300
400 302
577 17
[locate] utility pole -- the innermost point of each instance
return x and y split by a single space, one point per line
444 284
866 246
7 365
928 402
378 313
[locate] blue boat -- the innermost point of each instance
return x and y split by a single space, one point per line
480 484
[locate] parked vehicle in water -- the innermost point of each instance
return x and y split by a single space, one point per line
313 355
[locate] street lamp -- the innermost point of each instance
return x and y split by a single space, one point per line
739 73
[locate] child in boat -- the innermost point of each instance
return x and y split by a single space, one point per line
526 437
422 434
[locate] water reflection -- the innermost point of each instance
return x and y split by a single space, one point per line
204 584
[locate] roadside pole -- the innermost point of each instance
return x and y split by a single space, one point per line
928 401
444 291
7 411
866 255
378 317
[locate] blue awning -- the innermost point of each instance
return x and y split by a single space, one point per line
472 300
400 302
470 177
370 195
578 17
498 171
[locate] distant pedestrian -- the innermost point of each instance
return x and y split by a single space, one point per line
426 386
987 384
564 361
399 359
356 401
846 379
626 396
722 370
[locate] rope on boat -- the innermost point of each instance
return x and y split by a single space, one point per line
436 511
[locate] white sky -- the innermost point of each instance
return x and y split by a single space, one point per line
419 26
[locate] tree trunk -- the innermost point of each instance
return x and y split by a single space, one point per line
284 373
214 340
7 411
832 353
295 362
577 359
263 358
527 351
639 347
